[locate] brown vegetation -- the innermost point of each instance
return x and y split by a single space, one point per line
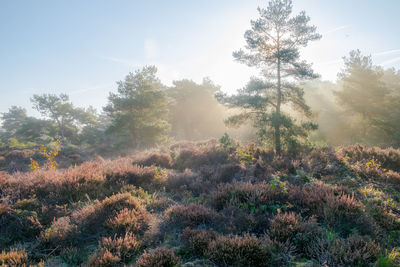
199 202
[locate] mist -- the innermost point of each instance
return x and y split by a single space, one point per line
199 133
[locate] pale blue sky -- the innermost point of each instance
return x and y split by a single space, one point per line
83 47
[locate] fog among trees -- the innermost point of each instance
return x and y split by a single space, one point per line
289 167
362 106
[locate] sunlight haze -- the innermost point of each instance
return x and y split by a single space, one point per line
83 47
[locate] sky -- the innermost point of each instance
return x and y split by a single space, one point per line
83 48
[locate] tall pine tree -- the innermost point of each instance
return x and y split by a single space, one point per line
273 44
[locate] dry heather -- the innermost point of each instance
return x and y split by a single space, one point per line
203 204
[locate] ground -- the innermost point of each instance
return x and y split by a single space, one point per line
207 204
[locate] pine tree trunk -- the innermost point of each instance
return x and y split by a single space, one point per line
278 148
61 126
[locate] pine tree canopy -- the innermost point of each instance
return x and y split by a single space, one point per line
272 46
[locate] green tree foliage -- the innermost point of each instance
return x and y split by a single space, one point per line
372 97
195 114
21 128
94 132
69 119
363 90
273 44
13 119
139 110
389 117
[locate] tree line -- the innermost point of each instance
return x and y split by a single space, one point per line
141 113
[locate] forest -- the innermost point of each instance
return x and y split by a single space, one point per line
288 170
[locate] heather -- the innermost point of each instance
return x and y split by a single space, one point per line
205 204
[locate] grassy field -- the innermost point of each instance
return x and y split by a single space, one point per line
207 204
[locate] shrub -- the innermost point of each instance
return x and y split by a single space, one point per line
246 194
79 183
162 257
4 209
197 241
343 212
391 259
122 171
193 156
130 220
191 215
115 250
283 253
240 221
58 187
17 225
14 257
353 251
389 158
27 204
227 143
285 226
291 227
238 251
331 204
392 177
160 204
156 158
384 217
179 183
73 256
180 179
356 251
311 197
227 172
60 231
51 211
51 163
92 218
282 164
342 204
103 258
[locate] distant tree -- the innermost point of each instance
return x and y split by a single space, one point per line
13 119
18 125
362 89
390 120
61 111
273 45
371 98
194 112
391 77
139 110
94 132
